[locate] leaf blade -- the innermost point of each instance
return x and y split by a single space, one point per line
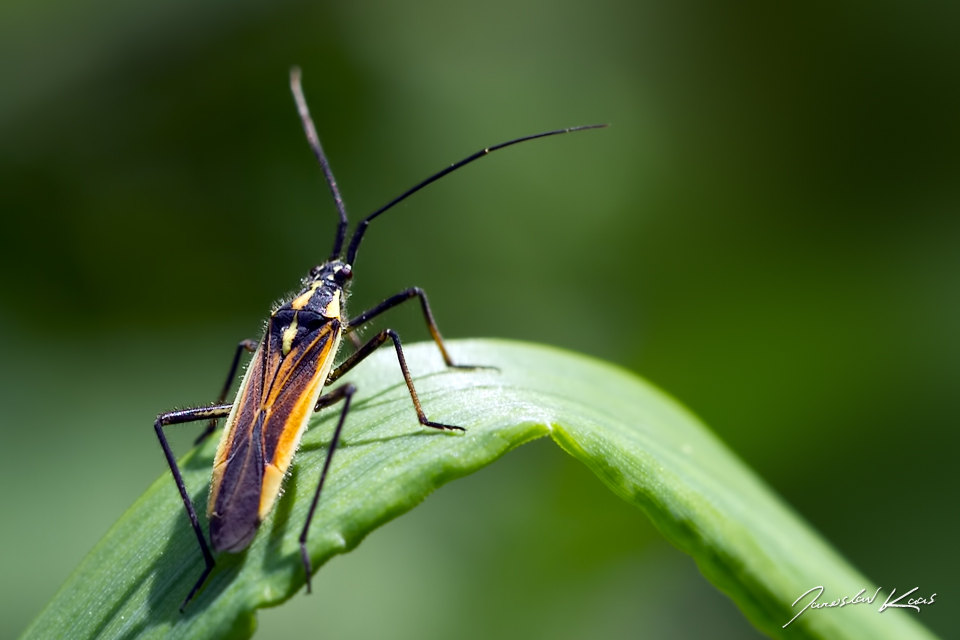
642 444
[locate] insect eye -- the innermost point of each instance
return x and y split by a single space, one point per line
345 273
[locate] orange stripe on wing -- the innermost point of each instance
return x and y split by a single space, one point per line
306 355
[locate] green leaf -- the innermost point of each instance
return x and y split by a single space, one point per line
647 448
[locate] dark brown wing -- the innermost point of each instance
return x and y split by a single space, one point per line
262 434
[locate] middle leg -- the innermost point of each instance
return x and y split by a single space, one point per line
364 351
245 345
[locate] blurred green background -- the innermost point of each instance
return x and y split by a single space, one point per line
769 231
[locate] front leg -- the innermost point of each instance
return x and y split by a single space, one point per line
403 296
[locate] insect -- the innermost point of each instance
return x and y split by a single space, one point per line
284 382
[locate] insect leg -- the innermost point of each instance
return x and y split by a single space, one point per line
344 393
400 298
370 347
355 340
180 417
245 345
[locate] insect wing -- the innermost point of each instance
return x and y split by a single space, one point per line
276 398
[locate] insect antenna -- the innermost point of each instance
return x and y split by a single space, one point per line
362 227
314 141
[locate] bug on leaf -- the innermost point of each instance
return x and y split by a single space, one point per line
284 382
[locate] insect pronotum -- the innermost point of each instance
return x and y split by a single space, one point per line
283 385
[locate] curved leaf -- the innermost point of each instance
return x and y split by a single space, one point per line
641 443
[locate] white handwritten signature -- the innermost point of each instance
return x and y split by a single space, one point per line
912 603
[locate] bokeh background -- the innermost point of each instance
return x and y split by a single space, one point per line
769 231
